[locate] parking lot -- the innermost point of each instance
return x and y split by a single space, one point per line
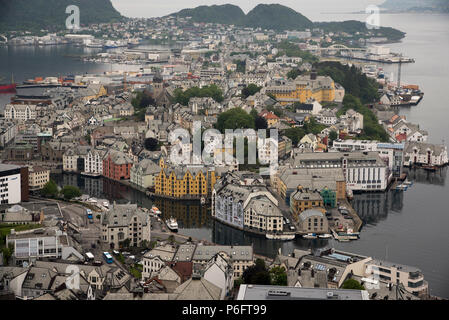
340 218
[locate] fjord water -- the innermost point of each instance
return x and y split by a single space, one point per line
408 228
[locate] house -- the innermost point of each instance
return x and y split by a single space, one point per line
328 117
38 177
117 165
143 174
270 117
125 222
304 199
312 221
309 140
156 259
219 272
420 153
353 121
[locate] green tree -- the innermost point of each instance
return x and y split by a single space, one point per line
257 274
250 90
151 144
278 276
260 123
295 134
171 239
352 284
294 73
70 192
50 189
235 118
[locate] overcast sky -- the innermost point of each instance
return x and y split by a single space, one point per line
314 9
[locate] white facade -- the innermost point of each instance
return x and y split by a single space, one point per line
20 112
10 185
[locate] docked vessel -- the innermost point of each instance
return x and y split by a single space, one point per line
310 236
8 88
325 236
172 224
155 210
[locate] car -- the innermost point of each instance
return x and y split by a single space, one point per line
343 212
342 208
292 228
132 257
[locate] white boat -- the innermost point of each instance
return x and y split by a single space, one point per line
155 210
172 224
325 236
309 236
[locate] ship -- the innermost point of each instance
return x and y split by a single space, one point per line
8 87
172 224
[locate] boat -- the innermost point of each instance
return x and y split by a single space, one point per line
429 168
91 174
172 224
325 236
155 210
309 236
8 87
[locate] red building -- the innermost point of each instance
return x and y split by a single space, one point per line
117 165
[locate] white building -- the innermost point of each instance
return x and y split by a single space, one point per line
421 153
219 271
156 259
20 112
8 131
10 184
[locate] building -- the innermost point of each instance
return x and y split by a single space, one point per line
125 222
219 272
117 165
363 171
186 181
260 292
241 257
303 88
22 112
246 206
19 215
8 131
156 259
312 221
35 244
420 153
304 199
13 184
353 121
38 177
144 173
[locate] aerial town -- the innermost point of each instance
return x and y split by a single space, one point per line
338 133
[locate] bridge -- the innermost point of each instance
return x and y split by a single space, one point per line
341 47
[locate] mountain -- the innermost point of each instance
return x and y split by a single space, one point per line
224 14
277 17
417 5
50 14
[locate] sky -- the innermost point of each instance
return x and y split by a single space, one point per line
316 10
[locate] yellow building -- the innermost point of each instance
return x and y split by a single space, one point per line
185 182
304 199
303 88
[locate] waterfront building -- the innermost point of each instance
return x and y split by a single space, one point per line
287 180
312 221
304 87
117 165
22 112
144 173
38 177
420 153
125 222
241 257
246 206
363 171
186 181
304 199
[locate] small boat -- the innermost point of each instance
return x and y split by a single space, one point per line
309 236
172 224
429 167
408 183
325 236
155 210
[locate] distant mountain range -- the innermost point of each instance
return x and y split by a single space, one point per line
50 14
276 17
417 5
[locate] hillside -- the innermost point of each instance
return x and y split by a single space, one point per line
225 14
417 5
50 14
276 17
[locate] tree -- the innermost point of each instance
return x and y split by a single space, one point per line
278 276
151 144
260 123
250 90
257 274
294 73
294 134
50 189
171 239
333 135
70 192
352 284
235 118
